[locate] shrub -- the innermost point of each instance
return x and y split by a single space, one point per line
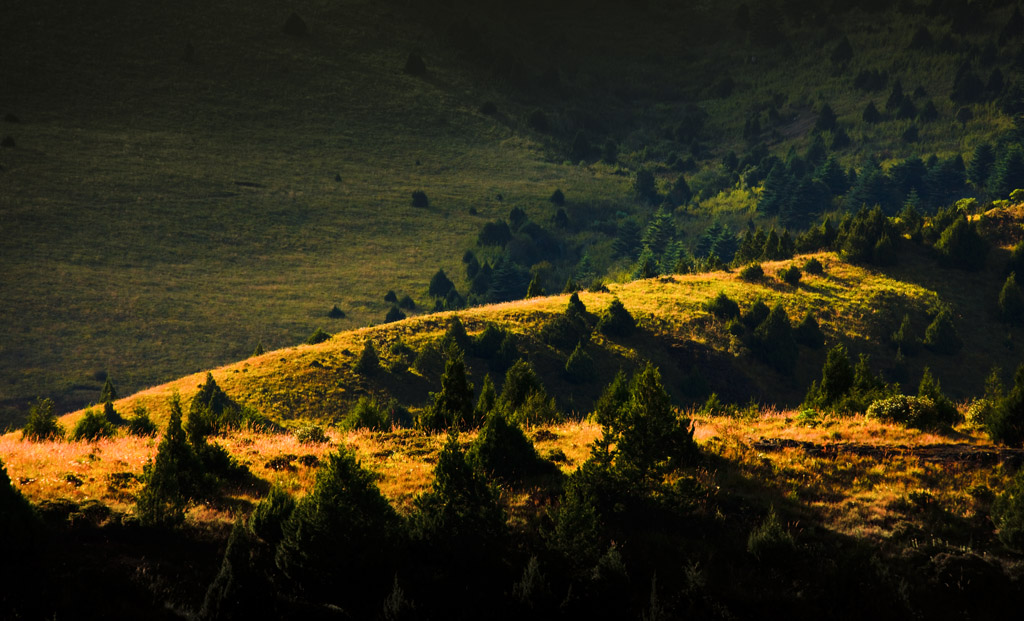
42 422
537 409
295 26
394 315
344 532
311 434
836 380
367 413
336 313
502 451
616 321
814 266
791 275
414 64
930 388
613 398
1008 514
941 335
139 423
92 426
391 296
723 307
918 412
368 361
557 197
428 358
579 367
564 330
752 272
407 303
456 336
419 199
318 336
771 542
756 314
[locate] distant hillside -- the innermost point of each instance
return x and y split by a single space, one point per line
184 181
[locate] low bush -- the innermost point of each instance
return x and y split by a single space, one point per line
579 367
139 423
502 451
318 336
752 272
723 307
916 412
791 275
92 426
814 266
771 542
616 320
419 199
368 361
42 422
311 434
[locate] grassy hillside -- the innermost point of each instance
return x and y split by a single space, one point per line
187 180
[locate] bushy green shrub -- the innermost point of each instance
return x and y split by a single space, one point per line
367 413
752 272
904 339
139 423
791 275
930 388
845 388
318 336
407 303
569 328
814 266
613 398
42 422
537 409
336 313
428 358
771 542
311 434
1008 514
961 246
616 320
918 412
420 200
92 426
723 307
774 342
393 315
755 315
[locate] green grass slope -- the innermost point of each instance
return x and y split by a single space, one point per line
856 306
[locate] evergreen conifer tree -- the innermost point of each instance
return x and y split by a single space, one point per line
1011 300
108 393
452 406
941 335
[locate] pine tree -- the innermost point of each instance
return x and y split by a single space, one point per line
108 393
174 476
980 168
616 320
836 379
1011 300
452 406
488 397
941 335
903 339
1007 173
775 342
368 361
536 289
259 350
1006 424
962 246
440 285
342 534
649 439
579 367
